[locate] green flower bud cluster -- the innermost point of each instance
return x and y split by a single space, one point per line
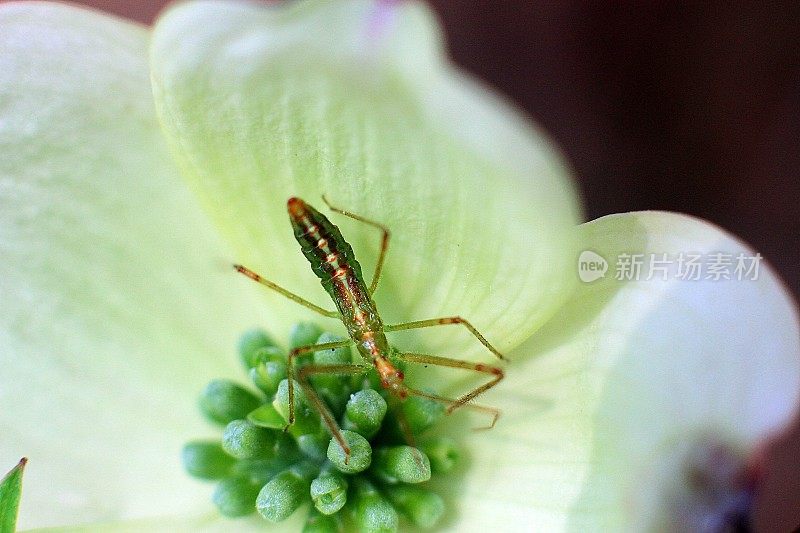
261 464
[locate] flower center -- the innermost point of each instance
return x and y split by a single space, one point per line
263 463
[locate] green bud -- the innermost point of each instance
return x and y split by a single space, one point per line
335 396
260 471
422 507
267 417
259 379
268 375
304 334
329 492
286 447
360 453
206 460
443 454
395 464
244 440
285 492
270 354
334 356
422 413
281 400
333 388
371 512
250 343
319 523
223 401
364 412
366 380
235 497
306 420
314 445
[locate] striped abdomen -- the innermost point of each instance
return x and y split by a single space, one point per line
333 261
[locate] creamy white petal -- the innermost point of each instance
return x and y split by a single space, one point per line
117 299
624 378
327 97
208 523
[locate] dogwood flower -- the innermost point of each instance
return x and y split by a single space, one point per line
137 164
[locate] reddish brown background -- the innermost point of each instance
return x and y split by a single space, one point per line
691 107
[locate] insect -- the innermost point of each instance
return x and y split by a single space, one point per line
333 261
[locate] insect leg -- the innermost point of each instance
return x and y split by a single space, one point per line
405 428
444 322
292 296
384 241
450 401
426 359
302 350
316 401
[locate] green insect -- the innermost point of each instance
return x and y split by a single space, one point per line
333 261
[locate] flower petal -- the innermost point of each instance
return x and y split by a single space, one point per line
116 309
353 99
624 375
210 523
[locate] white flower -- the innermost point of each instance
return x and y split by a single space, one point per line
118 302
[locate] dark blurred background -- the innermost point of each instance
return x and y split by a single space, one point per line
683 106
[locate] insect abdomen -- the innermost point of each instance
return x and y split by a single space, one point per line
322 243
334 262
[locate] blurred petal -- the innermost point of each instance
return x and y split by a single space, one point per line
116 309
209 523
355 100
623 377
